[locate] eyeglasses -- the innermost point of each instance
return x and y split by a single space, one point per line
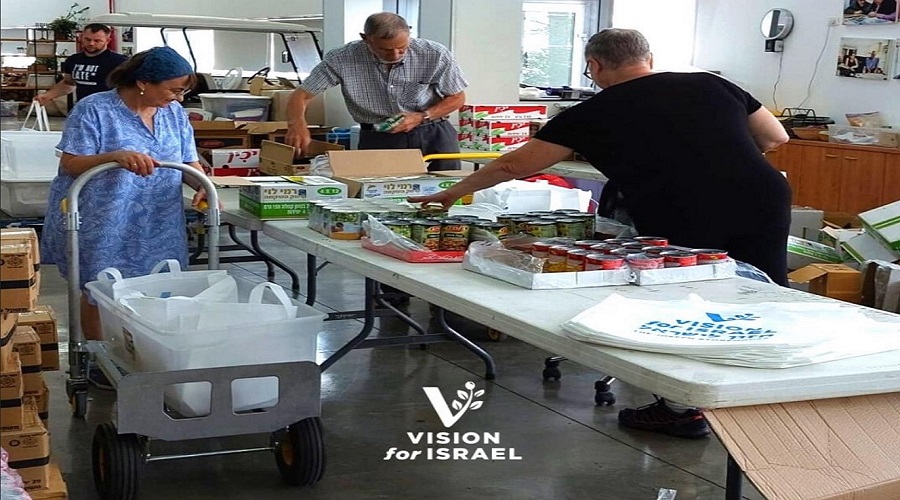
179 92
587 71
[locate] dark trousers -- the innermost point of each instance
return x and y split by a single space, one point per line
435 137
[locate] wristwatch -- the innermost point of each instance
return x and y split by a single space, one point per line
426 118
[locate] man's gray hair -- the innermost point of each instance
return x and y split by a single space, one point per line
385 25
618 47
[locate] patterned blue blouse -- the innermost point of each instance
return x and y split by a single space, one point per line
128 222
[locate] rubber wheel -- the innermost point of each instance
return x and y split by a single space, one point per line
300 452
116 463
78 402
496 335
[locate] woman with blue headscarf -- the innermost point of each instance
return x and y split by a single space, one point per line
132 217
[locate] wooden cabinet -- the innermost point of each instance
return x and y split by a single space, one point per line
838 177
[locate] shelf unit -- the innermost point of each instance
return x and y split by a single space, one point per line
30 62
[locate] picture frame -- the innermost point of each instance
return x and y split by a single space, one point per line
865 58
870 12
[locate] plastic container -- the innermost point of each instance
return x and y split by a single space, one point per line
864 136
154 350
238 107
28 162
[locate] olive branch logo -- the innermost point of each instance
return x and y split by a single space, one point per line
463 402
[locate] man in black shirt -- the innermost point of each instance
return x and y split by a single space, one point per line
685 150
85 72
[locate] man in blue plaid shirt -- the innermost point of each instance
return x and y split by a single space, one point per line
386 74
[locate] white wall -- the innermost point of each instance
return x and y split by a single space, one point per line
26 13
729 39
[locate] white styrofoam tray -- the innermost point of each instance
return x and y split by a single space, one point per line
28 162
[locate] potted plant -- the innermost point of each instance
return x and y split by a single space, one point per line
64 27
44 64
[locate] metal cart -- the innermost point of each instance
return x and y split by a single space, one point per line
120 447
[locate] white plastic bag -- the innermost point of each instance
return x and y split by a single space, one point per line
41 121
522 196
160 284
763 335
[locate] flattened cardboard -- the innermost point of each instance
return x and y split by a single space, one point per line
836 449
280 159
56 490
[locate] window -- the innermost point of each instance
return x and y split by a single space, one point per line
553 38
670 28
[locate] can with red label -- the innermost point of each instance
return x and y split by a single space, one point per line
642 261
575 259
659 250
603 262
709 255
585 244
622 251
656 241
556 261
679 259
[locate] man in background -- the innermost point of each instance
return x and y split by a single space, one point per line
85 72
388 74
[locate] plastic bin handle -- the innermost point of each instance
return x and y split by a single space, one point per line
109 274
257 293
174 266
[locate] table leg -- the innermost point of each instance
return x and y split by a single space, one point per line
489 367
734 480
368 322
295 280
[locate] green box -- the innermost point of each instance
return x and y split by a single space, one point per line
288 210
884 224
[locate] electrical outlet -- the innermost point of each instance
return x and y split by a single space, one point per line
834 21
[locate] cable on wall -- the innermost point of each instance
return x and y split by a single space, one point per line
816 68
777 80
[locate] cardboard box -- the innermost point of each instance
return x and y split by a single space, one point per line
388 173
498 144
281 159
830 280
802 253
27 343
508 128
29 451
20 284
864 246
56 489
884 224
843 448
219 134
287 197
841 220
503 111
805 222
12 392
40 402
7 329
43 320
240 162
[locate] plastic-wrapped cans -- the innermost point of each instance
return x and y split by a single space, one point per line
656 241
401 227
542 229
575 259
709 255
642 261
570 228
454 235
426 233
603 262
556 260
679 258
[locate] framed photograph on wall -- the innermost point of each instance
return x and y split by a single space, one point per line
867 58
895 69
866 12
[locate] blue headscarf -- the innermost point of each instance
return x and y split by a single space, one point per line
161 64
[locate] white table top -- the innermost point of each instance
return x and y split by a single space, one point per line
534 316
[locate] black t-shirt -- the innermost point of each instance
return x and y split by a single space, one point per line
679 149
90 73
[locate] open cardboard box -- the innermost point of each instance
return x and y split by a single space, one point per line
829 280
280 159
388 173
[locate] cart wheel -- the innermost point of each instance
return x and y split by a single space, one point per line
78 401
300 452
496 335
116 462
551 369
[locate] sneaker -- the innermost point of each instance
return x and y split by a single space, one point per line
98 379
659 417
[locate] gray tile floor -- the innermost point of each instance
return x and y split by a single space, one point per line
372 398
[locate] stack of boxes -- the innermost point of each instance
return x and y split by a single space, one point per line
28 346
497 128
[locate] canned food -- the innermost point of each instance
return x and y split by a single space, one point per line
508 220
489 231
656 241
679 259
626 251
588 220
659 250
603 262
540 249
426 233
567 211
433 210
603 248
642 261
709 255
538 213
634 244
521 225
618 241
454 235
556 261
570 228
542 229
401 227
587 243
575 259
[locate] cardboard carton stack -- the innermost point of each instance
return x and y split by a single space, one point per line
497 128
837 264
28 346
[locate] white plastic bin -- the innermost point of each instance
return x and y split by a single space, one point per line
864 136
28 162
239 107
264 342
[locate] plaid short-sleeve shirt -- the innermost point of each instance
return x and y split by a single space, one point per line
426 74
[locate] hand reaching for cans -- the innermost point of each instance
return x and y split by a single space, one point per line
443 198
